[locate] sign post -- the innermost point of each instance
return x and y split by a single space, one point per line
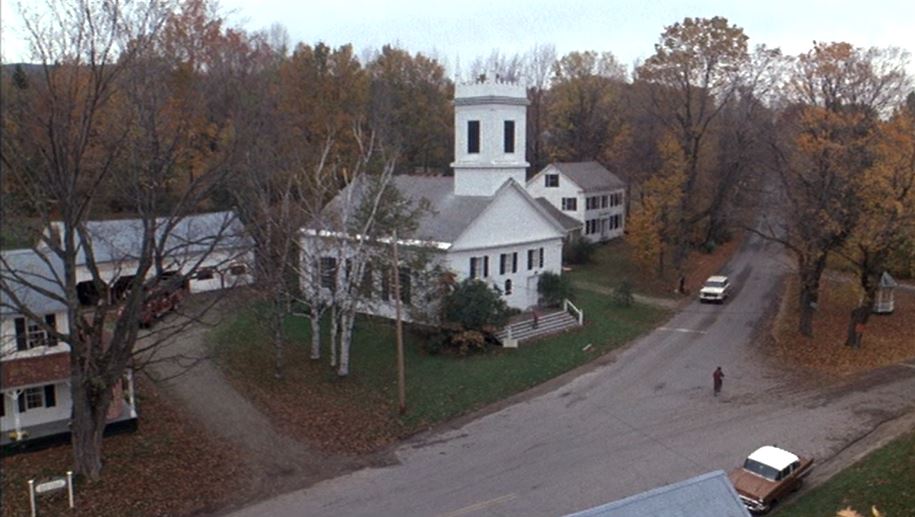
50 486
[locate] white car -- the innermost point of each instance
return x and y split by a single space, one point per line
716 289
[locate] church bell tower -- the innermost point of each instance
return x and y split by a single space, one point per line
490 136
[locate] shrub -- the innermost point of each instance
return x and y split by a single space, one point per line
474 305
553 288
468 341
578 250
622 295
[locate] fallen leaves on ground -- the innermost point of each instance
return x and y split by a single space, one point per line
169 466
339 415
888 339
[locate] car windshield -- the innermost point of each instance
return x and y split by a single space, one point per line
760 469
714 284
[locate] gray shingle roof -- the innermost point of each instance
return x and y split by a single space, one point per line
22 269
568 223
708 495
451 214
590 176
121 239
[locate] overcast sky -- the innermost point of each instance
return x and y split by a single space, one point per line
457 32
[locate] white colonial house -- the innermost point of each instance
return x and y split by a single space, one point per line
586 192
483 223
211 250
34 365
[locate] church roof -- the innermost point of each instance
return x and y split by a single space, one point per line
451 214
590 176
568 223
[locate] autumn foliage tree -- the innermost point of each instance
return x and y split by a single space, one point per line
886 213
693 74
654 220
826 143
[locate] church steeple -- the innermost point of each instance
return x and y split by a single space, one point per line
490 136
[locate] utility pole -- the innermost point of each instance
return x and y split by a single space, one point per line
398 325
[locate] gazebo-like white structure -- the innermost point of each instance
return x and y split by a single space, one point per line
884 302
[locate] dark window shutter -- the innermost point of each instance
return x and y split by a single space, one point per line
49 399
2 405
473 267
541 257
503 258
51 320
21 338
486 266
21 401
515 262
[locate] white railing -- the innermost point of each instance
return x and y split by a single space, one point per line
570 307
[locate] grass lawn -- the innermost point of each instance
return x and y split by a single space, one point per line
611 264
885 479
358 413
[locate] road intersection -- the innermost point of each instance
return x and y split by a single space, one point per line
644 419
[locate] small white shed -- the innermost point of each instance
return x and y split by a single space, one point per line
884 301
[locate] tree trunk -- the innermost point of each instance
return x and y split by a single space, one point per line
856 321
333 335
279 335
315 331
90 411
346 333
807 308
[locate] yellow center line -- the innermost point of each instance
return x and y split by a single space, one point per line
482 504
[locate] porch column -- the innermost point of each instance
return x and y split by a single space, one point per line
14 397
130 393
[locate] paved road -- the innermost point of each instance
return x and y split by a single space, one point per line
642 421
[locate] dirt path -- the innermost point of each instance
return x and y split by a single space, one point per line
276 462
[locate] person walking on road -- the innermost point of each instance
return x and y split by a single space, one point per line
718 378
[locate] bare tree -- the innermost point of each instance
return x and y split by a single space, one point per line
110 110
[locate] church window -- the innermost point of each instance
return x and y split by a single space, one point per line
509 136
328 269
551 180
473 136
569 204
508 286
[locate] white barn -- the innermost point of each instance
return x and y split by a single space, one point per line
484 223
212 245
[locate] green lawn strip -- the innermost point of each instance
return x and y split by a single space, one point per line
612 264
885 478
439 387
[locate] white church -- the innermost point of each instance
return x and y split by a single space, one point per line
485 223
